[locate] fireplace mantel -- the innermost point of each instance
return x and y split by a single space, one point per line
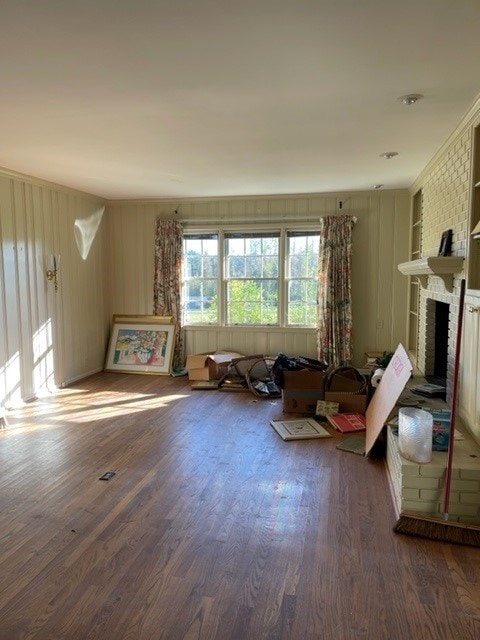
442 266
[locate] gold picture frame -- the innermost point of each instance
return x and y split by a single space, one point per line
141 344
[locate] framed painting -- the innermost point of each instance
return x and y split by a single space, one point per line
141 344
445 248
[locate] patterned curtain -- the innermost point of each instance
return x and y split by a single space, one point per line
167 280
334 330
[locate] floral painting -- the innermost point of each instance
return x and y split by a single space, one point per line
141 348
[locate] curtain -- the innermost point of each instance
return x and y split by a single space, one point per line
167 280
334 328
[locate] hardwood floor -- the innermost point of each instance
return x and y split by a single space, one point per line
213 527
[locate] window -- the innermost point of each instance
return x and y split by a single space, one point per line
251 275
200 278
260 278
302 270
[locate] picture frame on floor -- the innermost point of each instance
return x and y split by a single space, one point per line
141 344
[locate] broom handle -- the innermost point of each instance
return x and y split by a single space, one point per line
448 474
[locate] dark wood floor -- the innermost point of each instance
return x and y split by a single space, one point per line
212 528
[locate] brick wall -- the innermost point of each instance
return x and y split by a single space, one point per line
445 186
420 487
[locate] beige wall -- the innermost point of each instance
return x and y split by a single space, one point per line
48 339
380 243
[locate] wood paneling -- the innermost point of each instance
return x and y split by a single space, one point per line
250 341
380 243
213 527
49 338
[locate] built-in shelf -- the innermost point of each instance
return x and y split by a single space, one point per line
442 266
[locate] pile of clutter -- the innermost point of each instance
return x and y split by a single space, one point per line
227 371
299 381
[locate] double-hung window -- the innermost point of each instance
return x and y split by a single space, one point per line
252 278
200 278
302 277
257 278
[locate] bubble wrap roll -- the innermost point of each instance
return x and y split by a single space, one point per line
415 434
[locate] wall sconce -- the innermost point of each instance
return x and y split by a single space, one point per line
52 272
476 232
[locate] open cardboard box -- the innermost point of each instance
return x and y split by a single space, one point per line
301 390
209 366
345 388
348 402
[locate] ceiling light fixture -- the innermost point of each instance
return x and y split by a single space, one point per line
388 155
410 99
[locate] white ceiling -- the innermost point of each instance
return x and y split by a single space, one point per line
151 99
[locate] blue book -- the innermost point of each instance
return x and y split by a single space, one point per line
441 428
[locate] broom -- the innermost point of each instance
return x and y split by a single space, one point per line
430 526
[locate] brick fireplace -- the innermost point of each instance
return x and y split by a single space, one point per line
437 334
420 487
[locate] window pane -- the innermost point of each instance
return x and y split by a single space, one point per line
253 247
236 247
303 256
270 267
194 265
210 266
201 302
210 246
252 302
236 267
253 267
302 302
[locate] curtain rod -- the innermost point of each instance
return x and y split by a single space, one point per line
255 220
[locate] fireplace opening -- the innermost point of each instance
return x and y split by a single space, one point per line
437 341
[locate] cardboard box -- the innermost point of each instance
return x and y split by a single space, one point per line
209 366
394 380
302 390
348 402
346 380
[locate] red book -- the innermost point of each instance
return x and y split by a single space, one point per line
348 422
